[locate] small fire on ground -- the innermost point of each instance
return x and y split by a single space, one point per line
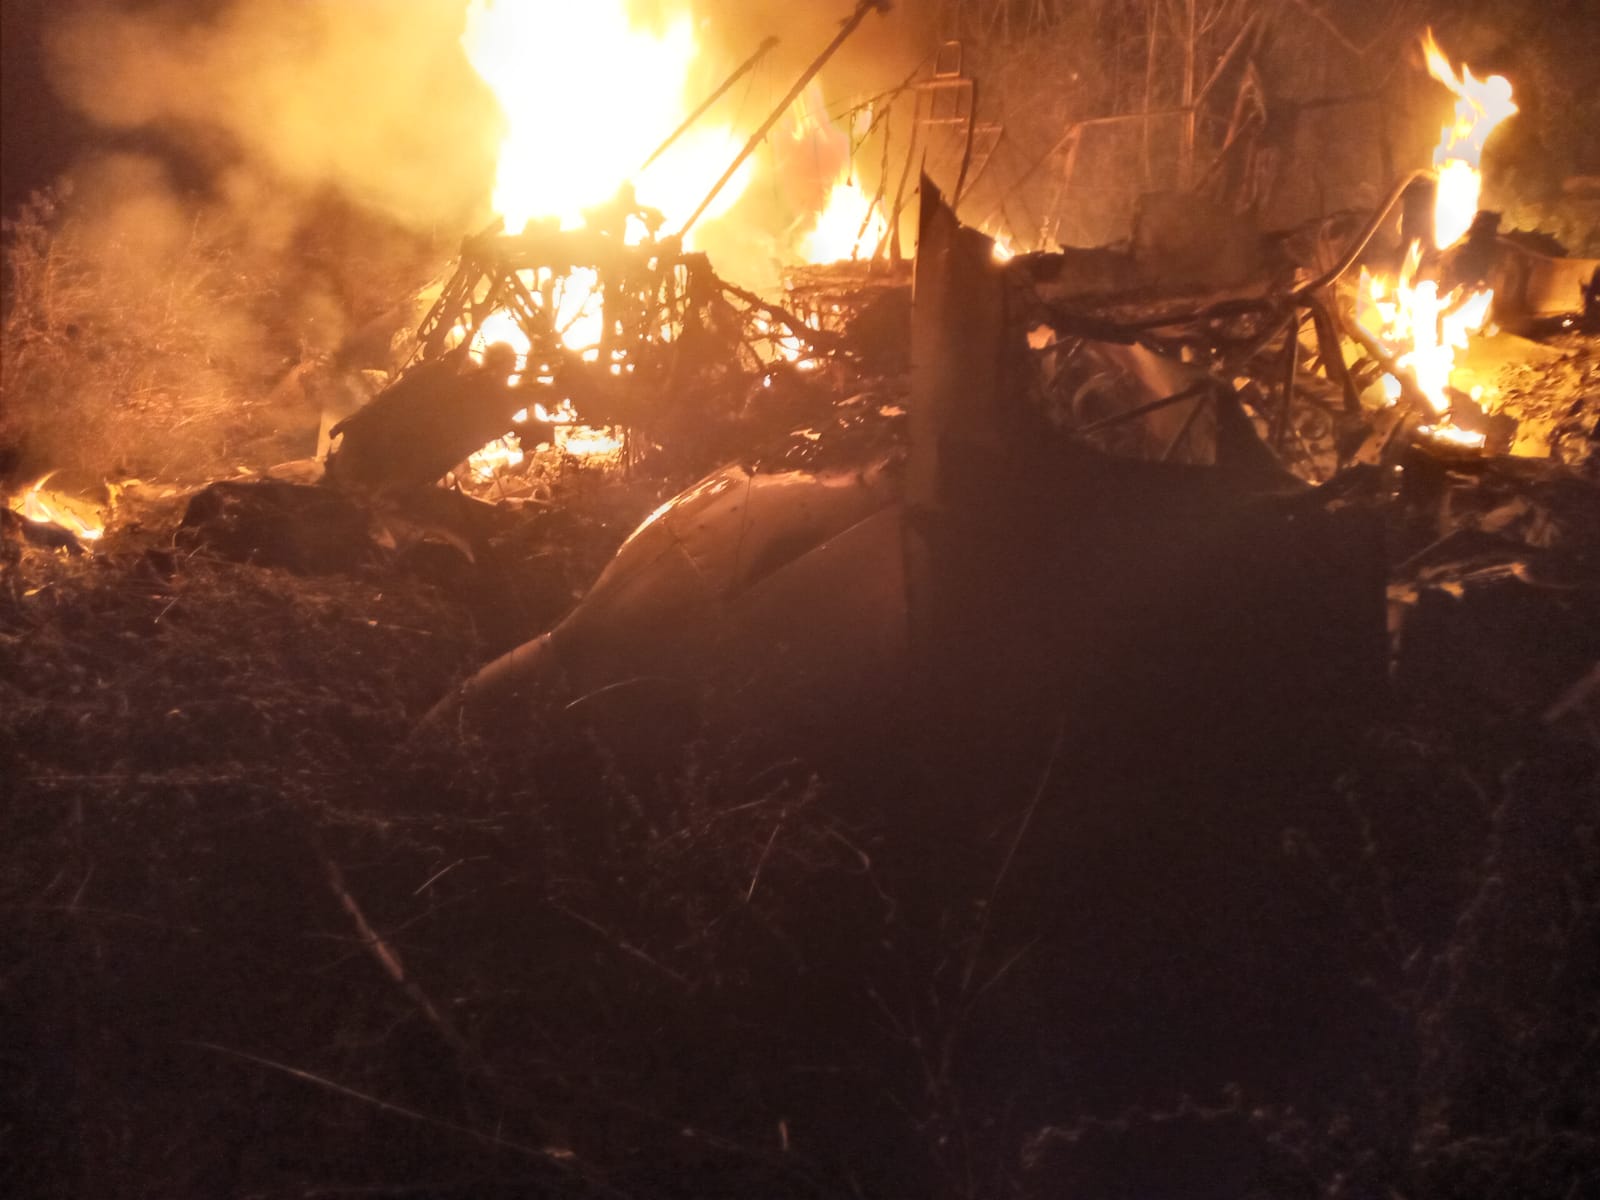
1426 330
39 503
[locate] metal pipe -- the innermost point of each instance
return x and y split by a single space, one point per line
851 24
1409 387
1356 247
966 152
745 68
1300 295
1200 388
1291 364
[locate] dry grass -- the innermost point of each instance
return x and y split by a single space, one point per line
266 943
125 357
152 340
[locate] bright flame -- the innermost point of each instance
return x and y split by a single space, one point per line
850 226
497 456
1481 105
589 90
1421 329
501 326
580 321
589 442
580 441
39 504
776 342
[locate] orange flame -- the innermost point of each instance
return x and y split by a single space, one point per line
1424 330
1481 105
588 91
39 504
850 226
1421 328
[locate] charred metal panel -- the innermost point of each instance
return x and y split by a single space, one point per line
759 601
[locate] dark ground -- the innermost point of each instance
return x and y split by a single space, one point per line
265 941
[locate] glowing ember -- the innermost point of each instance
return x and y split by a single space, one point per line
589 90
1449 435
1481 105
38 503
578 440
589 443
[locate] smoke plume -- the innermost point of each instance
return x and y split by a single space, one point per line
372 99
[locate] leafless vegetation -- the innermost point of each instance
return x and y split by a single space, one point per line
131 353
146 335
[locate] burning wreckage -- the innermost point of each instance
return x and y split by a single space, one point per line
1092 489
1091 476
580 334
1003 555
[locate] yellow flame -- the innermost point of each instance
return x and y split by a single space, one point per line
1481 105
501 326
849 226
580 320
777 343
588 90
1449 435
590 442
497 456
580 441
1422 329
76 516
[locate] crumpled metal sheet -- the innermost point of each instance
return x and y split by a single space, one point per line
758 598
1022 581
